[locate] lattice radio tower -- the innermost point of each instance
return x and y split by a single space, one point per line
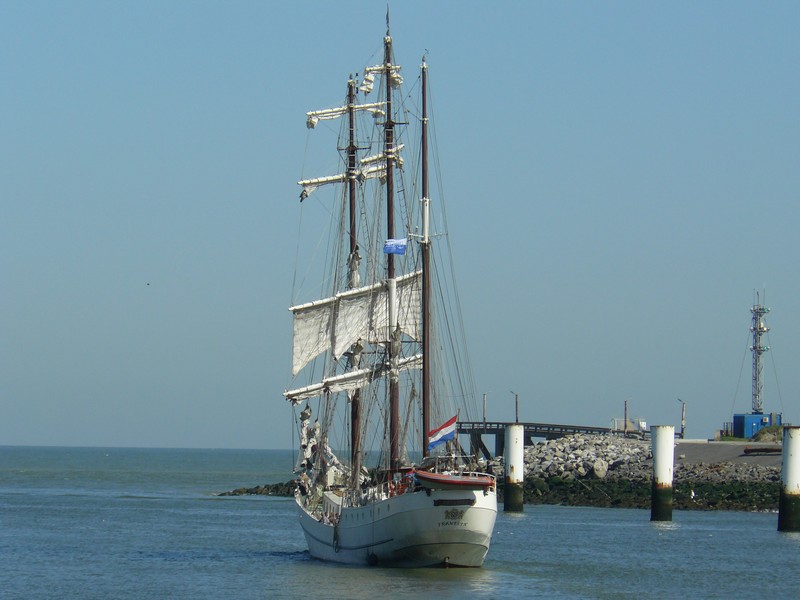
758 348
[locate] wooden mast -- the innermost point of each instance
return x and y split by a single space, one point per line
351 163
426 273
355 400
388 150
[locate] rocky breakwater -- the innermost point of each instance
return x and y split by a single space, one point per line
613 471
582 456
270 489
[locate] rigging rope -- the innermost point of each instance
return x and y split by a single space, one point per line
741 369
775 372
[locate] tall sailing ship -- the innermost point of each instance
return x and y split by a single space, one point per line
380 372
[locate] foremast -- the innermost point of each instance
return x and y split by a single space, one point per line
353 279
328 324
351 176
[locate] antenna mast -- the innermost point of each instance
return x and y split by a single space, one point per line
758 328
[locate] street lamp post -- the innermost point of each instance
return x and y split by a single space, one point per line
516 407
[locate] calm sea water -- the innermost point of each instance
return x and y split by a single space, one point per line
145 523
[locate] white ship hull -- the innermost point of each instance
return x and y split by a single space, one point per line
415 529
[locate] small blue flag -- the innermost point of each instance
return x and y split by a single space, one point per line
395 246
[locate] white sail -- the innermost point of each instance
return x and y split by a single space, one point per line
315 116
338 322
350 381
310 185
372 167
369 78
395 154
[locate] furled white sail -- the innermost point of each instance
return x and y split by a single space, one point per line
394 153
338 322
315 116
369 77
310 185
350 381
372 167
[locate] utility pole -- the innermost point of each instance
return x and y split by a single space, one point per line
625 420
516 407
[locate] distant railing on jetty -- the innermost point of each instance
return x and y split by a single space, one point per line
476 429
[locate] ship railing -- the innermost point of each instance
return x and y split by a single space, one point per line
387 489
453 463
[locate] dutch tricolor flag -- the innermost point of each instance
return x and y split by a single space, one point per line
442 434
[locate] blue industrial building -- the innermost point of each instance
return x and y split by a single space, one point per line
747 425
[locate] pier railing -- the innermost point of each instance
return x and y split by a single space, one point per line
476 429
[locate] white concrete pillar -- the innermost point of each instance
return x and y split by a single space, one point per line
789 501
663 441
513 499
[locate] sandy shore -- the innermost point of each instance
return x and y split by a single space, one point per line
703 451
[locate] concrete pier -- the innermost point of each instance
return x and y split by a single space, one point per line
789 500
663 440
514 468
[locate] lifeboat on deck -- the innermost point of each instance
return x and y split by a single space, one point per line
458 481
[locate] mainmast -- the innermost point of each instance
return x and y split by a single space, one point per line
426 272
388 150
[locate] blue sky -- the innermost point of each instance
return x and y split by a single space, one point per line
620 178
